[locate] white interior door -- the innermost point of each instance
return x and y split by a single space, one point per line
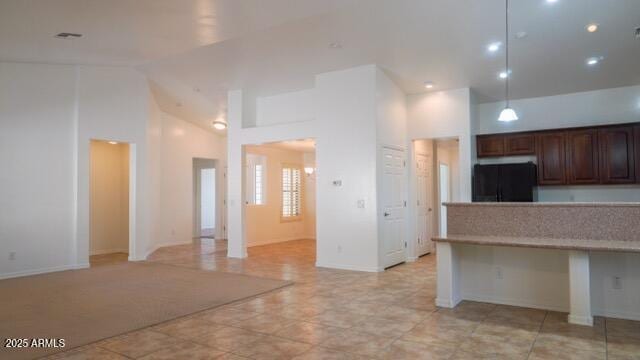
393 207
443 186
424 210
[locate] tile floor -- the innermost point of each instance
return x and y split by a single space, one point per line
333 314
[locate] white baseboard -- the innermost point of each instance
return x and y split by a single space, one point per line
43 271
446 303
514 302
273 241
109 251
580 320
627 315
412 259
348 267
161 245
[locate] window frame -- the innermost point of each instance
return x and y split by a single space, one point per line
299 191
252 161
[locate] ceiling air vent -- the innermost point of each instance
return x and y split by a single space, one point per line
68 36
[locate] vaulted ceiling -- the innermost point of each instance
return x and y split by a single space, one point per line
194 51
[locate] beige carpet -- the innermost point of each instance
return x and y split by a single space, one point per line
83 306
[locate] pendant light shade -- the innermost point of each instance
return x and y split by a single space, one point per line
507 114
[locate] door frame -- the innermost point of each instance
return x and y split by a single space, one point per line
197 208
442 220
429 203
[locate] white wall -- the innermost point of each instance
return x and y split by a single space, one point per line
181 143
109 199
55 110
346 151
285 108
37 146
310 196
263 222
445 114
608 106
113 104
50 113
440 115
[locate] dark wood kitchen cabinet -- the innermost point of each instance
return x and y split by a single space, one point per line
551 153
506 144
605 154
617 157
519 144
637 152
489 146
583 161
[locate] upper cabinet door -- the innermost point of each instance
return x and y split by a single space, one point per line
617 161
636 145
492 145
551 150
520 144
582 157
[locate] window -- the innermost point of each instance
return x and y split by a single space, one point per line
257 191
256 177
290 192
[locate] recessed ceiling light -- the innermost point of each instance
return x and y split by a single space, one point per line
593 27
219 125
504 74
552 1
495 46
113 142
521 34
592 61
428 84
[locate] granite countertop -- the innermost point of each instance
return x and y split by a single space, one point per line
547 204
544 243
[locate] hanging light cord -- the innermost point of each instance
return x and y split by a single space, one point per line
506 41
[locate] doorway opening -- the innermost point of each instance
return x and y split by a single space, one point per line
280 197
204 171
436 178
109 202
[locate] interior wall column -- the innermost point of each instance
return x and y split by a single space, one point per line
580 288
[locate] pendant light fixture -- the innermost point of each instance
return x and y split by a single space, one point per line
507 114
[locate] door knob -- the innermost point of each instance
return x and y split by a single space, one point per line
386 214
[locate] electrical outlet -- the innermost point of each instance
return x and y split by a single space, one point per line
499 274
12 255
617 283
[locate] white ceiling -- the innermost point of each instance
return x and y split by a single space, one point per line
195 51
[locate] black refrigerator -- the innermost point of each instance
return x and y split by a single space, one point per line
504 182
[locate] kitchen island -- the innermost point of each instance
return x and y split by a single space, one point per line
552 244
